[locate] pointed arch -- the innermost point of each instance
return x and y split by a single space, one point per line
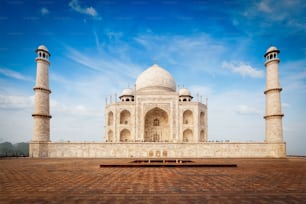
110 136
202 118
202 136
187 136
156 125
110 118
125 135
188 117
125 117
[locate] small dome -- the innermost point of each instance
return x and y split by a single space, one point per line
155 78
127 92
43 48
271 49
184 92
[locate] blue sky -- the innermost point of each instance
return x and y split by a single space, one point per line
98 48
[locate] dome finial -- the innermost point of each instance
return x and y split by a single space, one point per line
155 60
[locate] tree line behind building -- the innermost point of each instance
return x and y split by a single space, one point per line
8 149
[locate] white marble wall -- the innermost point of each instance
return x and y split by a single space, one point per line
157 150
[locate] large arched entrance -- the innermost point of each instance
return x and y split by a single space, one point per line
156 126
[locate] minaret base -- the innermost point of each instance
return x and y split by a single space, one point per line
38 149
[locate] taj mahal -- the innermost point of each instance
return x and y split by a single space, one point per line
155 112
155 120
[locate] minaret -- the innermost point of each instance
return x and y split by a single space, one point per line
273 116
41 113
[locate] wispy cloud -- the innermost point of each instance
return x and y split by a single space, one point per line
284 18
238 112
75 5
285 105
12 74
16 102
245 109
105 63
243 69
195 53
80 58
294 77
44 11
263 6
73 110
203 91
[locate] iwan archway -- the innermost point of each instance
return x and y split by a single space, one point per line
156 126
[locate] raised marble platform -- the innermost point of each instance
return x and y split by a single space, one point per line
157 150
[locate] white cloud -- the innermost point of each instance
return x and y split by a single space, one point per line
245 109
263 6
13 74
294 78
243 69
285 105
232 115
16 102
75 5
286 18
44 11
298 76
72 109
91 11
204 91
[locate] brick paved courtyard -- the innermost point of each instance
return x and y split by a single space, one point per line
83 181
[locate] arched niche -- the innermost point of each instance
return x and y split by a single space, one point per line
202 118
110 136
125 116
187 136
110 118
125 135
202 136
188 117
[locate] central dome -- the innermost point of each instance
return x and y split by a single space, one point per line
155 78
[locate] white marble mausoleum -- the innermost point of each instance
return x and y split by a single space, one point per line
155 112
155 120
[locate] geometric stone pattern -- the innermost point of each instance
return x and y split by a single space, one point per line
83 181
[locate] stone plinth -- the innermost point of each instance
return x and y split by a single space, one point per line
157 150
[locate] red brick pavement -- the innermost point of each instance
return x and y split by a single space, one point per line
83 181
